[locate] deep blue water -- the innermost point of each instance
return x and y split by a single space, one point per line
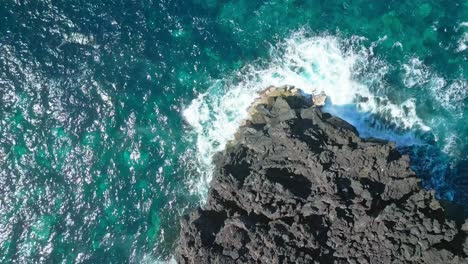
110 110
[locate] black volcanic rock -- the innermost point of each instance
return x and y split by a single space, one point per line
300 186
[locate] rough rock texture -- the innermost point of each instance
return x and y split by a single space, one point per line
300 186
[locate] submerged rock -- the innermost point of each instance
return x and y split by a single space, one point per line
300 186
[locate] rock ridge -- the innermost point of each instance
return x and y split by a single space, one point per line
298 185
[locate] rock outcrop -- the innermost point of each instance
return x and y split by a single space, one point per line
300 186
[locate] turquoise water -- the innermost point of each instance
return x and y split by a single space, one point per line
110 111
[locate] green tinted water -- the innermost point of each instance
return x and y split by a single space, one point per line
97 162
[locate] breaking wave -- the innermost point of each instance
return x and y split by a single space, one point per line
347 71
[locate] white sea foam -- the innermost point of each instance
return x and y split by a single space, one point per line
415 73
78 38
451 142
314 64
149 259
451 96
463 41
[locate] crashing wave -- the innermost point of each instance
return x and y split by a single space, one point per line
315 64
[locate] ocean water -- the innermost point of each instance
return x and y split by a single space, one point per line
110 111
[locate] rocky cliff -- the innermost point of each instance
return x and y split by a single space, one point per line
300 186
